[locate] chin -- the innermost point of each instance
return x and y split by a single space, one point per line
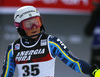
34 37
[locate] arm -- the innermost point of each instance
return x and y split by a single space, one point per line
59 49
9 64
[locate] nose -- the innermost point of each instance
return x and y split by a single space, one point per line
34 27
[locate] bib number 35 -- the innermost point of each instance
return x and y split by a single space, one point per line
33 70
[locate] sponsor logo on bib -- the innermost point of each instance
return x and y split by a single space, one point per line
26 55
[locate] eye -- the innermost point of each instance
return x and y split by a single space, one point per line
28 24
36 21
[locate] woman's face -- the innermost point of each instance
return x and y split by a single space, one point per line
35 30
32 26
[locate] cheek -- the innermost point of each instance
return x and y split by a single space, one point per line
39 29
27 32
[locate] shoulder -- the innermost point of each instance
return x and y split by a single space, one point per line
53 38
45 35
57 42
16 41
13 43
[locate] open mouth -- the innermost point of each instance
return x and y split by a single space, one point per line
34 32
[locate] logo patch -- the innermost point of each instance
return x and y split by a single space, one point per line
26 55
61 43
36 11
17 46
30 15
43 42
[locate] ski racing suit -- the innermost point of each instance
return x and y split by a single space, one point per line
38 59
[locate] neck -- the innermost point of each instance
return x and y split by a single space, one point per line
30 41
33 36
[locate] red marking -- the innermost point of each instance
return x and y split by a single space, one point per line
46 58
